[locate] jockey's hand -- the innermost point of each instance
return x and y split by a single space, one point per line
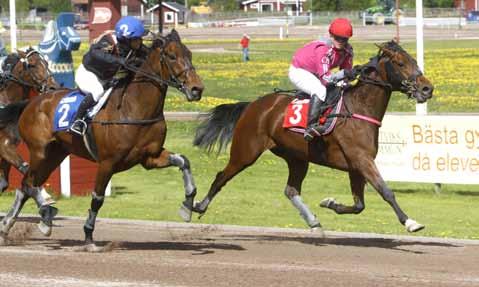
121 61
137 62
350 74
357 70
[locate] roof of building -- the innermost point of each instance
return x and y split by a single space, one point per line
170 5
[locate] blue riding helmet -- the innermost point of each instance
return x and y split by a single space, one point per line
129 27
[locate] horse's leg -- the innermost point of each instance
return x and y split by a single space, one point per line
10 218
42 163
357 182
297 172
371 173
166 159
103 176
9 156
243 153
4 174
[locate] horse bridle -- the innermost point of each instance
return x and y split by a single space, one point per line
41 85
174 80
407 86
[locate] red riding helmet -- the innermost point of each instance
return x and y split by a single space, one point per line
341 27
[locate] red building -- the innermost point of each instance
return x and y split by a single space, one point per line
133 7
467 5
75 176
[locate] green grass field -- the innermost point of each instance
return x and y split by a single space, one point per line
255 197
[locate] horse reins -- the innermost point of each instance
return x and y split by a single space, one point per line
157 79
40 85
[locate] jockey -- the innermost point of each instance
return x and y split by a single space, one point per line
104 60
310 69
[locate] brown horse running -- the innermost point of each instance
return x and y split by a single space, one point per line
26 75
257 126
130 130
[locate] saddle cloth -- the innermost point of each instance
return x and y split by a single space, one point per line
67 108
296 116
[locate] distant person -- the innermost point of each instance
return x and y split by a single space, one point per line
310 69
3 50
245 45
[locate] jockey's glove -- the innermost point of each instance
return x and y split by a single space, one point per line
349 74
120 61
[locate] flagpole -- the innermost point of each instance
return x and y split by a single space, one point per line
13 26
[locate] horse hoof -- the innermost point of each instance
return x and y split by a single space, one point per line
91 247
413 226
44 229
326 203
318 231
185 213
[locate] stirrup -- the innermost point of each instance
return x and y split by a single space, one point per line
311 132
79 127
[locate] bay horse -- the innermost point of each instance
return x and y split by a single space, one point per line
24 76
255 127
129 130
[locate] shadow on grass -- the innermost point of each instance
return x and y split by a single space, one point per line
467 193
385 243
121 190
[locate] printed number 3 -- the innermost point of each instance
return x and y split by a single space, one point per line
297 114
62 122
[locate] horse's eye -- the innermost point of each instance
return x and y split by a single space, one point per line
400 63
31 65
172 57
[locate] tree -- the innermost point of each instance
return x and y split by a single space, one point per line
55 6
23 6
224 5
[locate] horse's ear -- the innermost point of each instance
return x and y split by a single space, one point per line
175 36
21 53
385 50
158 41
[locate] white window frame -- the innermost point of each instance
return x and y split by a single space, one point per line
169 17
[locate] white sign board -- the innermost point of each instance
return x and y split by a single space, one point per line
435 149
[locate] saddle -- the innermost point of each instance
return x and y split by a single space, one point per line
296 114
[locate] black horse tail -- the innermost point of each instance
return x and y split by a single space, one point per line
219 126
11 112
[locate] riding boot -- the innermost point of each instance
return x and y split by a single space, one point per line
313 117
79 125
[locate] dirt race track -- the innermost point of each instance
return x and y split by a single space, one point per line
142 253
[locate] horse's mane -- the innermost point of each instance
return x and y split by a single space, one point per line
161 41
394 47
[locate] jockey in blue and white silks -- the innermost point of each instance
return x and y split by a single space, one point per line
103 61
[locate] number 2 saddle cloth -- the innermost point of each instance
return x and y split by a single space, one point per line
296 114
66 110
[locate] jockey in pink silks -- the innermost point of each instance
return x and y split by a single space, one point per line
310 69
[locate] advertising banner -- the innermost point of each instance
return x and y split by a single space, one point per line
435 149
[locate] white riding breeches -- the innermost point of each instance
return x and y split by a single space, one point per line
307 82
88 82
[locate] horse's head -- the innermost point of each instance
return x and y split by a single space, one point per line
173 61
401 71
33 69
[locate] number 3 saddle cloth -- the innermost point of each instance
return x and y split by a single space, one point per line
296 115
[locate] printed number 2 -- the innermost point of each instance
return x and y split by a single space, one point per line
62 122
297 114
124 30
